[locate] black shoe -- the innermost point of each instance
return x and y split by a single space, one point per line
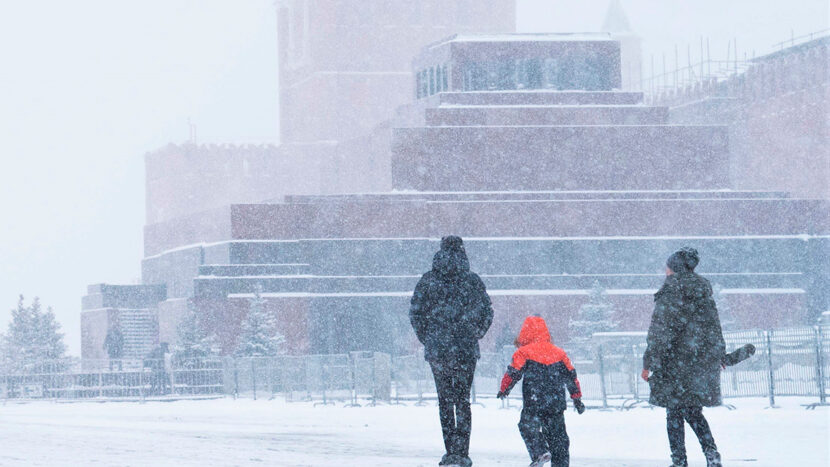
541 460
713 459
452 460
465 461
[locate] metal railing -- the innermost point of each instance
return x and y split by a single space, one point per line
128 378
788 362
323 379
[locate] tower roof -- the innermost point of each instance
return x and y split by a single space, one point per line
616 20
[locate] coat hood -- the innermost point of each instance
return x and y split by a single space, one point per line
683 260
534 329
451 259
691 286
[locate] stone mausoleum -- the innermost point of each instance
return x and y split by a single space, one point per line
523 144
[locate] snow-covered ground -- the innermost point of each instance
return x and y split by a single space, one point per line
229 432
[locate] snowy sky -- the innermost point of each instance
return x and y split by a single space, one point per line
88 87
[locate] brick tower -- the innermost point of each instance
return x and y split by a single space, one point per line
345 64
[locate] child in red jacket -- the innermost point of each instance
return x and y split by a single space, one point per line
547 371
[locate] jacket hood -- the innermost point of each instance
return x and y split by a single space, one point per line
683 260
689 284
451 259
534 329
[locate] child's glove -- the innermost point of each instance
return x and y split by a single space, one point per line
501 395
579 406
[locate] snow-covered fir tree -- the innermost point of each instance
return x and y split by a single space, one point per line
20 334
260 336
194 341
33 335
594 316
49 339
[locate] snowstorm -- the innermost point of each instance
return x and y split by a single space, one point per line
415 233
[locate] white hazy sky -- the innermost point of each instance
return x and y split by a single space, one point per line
88 87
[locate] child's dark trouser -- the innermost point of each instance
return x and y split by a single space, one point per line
677 434
453 382
544 431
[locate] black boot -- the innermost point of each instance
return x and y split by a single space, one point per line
678 461
449 459
541 460
713 459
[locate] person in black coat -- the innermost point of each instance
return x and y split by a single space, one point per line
684 355
155 361
114 346
450 311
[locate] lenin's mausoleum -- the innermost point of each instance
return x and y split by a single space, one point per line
429 118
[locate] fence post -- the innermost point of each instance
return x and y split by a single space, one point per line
473 392
141 384
172 380
353 376
270 373
602 377
374 382
771 372
253 376
395 377
422 369
326 376
235 379
635 355
820 366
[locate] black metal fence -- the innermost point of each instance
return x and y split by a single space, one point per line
125 379
788 362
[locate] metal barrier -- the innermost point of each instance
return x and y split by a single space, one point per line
323 379
788 362
83 379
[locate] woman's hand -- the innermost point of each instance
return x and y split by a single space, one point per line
644 375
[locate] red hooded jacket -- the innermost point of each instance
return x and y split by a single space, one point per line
546 369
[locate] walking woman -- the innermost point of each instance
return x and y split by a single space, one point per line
684 355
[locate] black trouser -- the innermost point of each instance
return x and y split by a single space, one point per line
159 382
544 431
453 382
677 431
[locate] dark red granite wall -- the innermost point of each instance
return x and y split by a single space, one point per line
560 158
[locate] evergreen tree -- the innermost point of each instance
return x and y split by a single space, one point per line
49 337
33 335
4 354
594 316
21 334
259 336
194 341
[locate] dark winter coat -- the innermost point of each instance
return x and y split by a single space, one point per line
546 370
450 309
685 344
155 359
114 343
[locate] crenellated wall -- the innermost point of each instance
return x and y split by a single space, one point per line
777 113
